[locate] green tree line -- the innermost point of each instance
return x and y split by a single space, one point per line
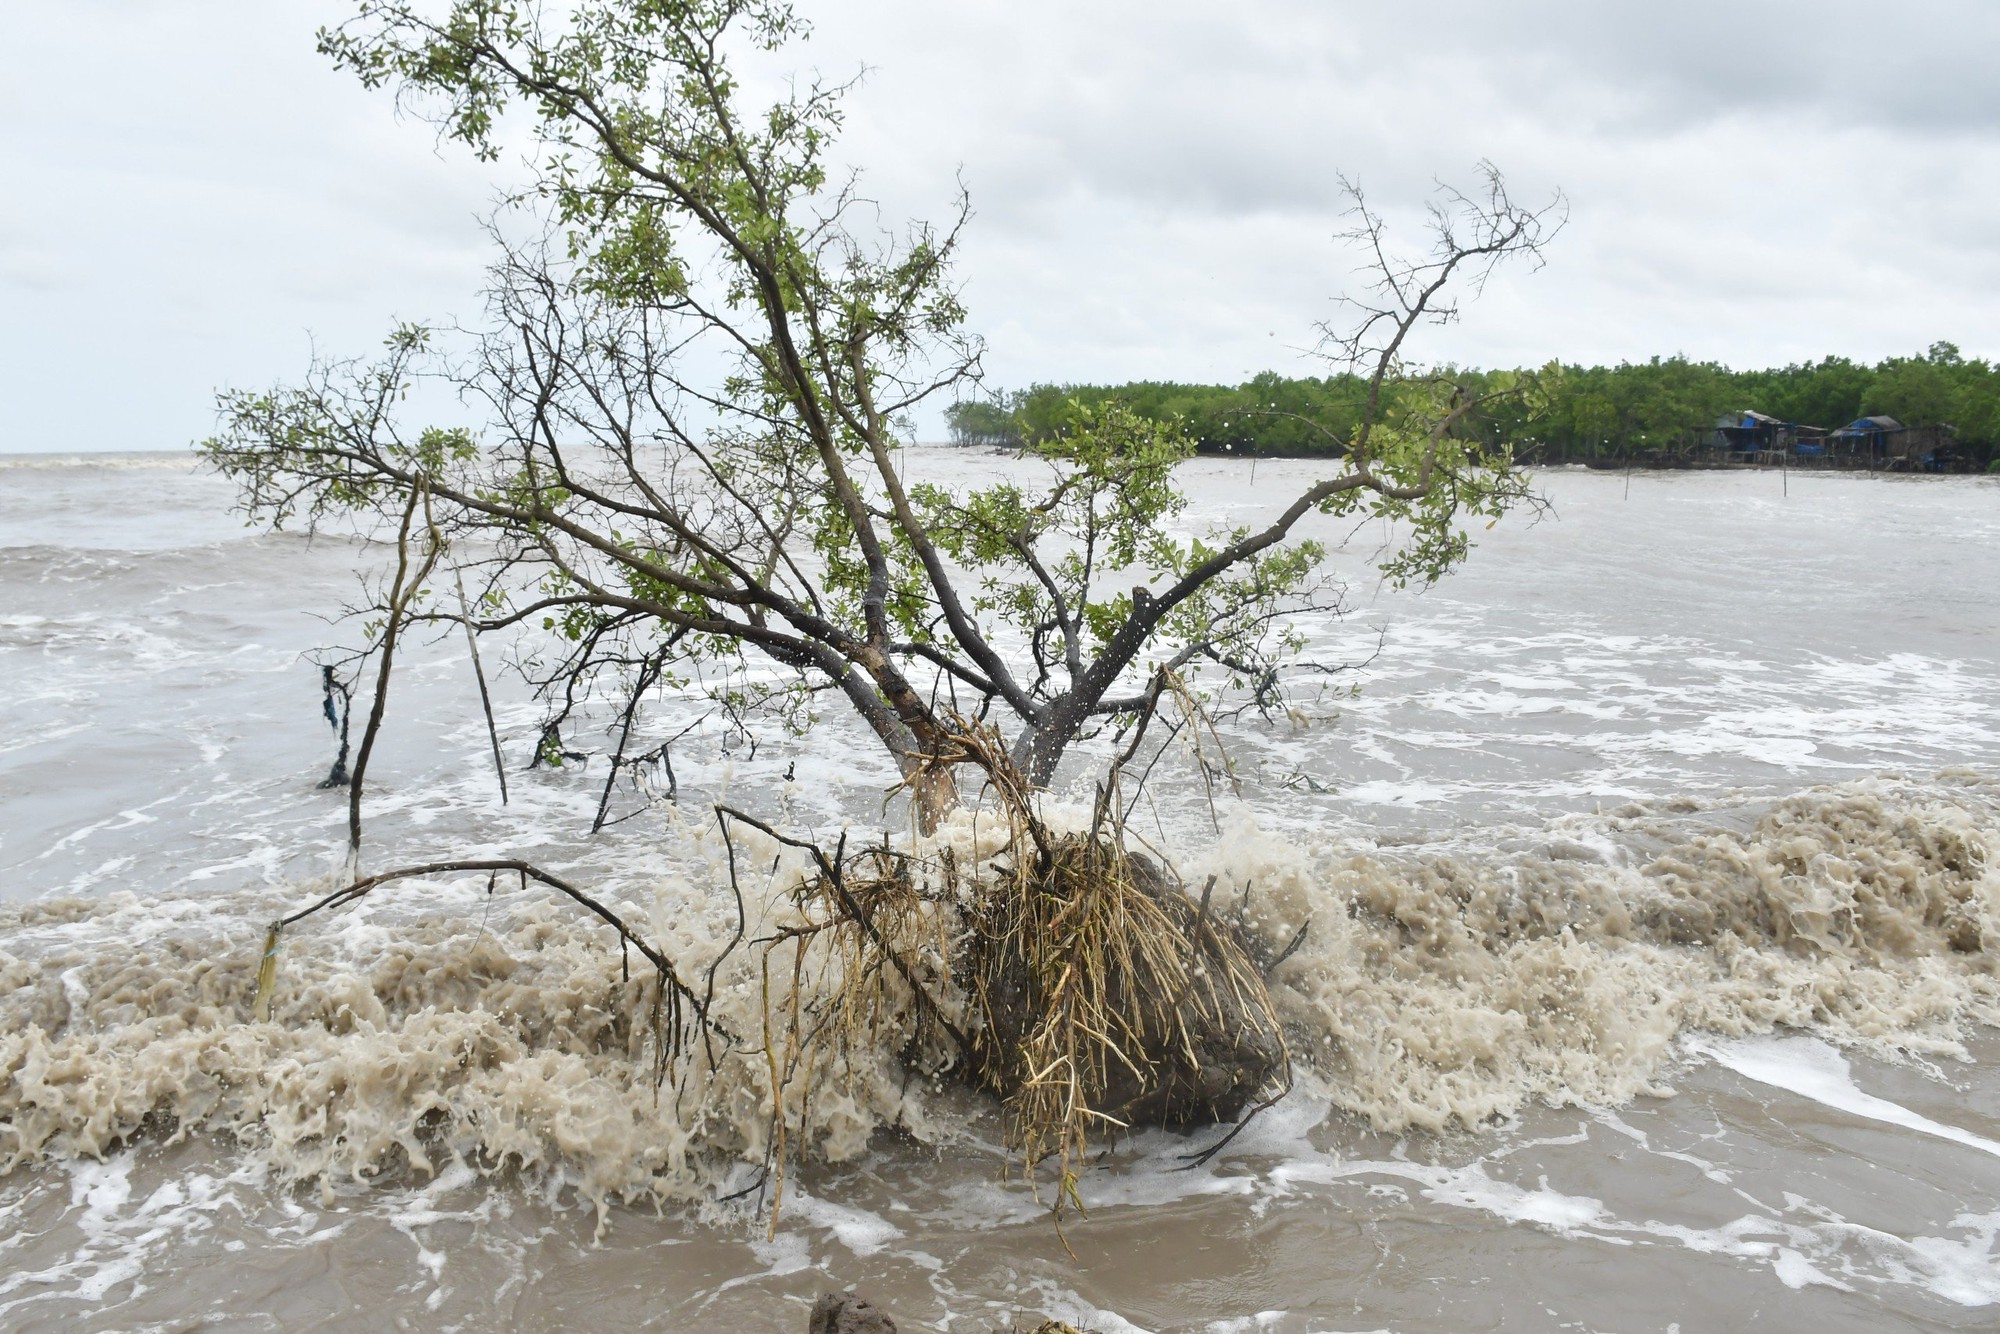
1633 409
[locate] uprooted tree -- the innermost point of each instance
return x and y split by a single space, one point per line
691 394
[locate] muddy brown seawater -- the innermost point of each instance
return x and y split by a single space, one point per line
1649 975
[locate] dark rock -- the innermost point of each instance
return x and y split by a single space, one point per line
845 1313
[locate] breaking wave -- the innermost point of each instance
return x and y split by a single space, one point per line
1437 987
179 460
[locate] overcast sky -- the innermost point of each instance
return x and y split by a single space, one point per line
190 197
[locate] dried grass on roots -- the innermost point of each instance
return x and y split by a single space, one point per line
1080 986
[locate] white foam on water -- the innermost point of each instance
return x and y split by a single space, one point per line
1611 1120
1813 1069
425 1209
1821 1249
1467 1187
1057 1302
1271 1320
122 1242
1383 792
1965 1269
786 1253
859 1230
1480 970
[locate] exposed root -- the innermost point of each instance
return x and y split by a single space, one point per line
1105 1000
1067 975
1059 970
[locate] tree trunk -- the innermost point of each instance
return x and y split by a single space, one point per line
1040 748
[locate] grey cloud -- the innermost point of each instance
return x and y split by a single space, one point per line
1261 105
1922 66
1155 183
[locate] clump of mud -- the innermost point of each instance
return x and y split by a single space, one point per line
1434 989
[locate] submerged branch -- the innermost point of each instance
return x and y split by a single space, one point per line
401 593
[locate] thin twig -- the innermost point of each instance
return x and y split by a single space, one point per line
401 593
527 871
